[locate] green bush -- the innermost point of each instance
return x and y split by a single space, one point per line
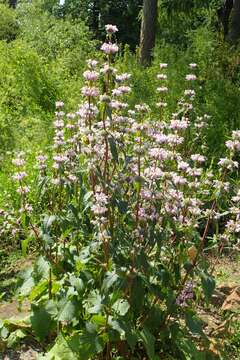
9 25
27 92
42 65
218 77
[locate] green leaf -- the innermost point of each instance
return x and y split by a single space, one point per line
24 246
208 285
149 343
109 113
67 311
190 351
77 283
109 280
132 339
118 326
194 324
99 320
15 338
38 290
122 206
121 307
74 211
113 148
93 303
4 332
87 197
41 269
61 351
27 286
41 322
137 295
155 317
87 344
48 222
78 347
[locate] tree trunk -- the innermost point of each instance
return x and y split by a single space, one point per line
234 33
95 17
224 15
13 3
148 31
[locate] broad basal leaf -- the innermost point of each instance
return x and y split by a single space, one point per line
121 307
208 285
149 343
41 322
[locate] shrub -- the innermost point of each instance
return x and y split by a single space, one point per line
28 93
54 38
8 23
120 212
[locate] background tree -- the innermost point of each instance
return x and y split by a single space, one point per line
13 3
148 31
97 13
224 14
234 33
9 26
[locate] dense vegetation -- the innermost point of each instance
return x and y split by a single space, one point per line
119 178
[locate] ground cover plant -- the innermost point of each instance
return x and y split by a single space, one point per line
120 212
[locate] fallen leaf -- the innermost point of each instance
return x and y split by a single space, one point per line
232 301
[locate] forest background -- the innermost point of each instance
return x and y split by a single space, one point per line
44 46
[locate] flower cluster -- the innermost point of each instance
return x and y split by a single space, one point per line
186 295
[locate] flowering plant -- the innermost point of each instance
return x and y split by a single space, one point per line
121 221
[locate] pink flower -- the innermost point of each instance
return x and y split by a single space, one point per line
190 77
60 158
109 48
90 75
18 162
142 108
228 163
90 91
98 209
162 77
233 145
23 190
124 89
118 105
179 124
192 65
101 198
163 65
59 114
161 104
123 77
162 89
116 92
41 158
198 158
183 166
107 69
189 92
56 181
111 29
19 176
92 63
59 124
59 104
236 135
